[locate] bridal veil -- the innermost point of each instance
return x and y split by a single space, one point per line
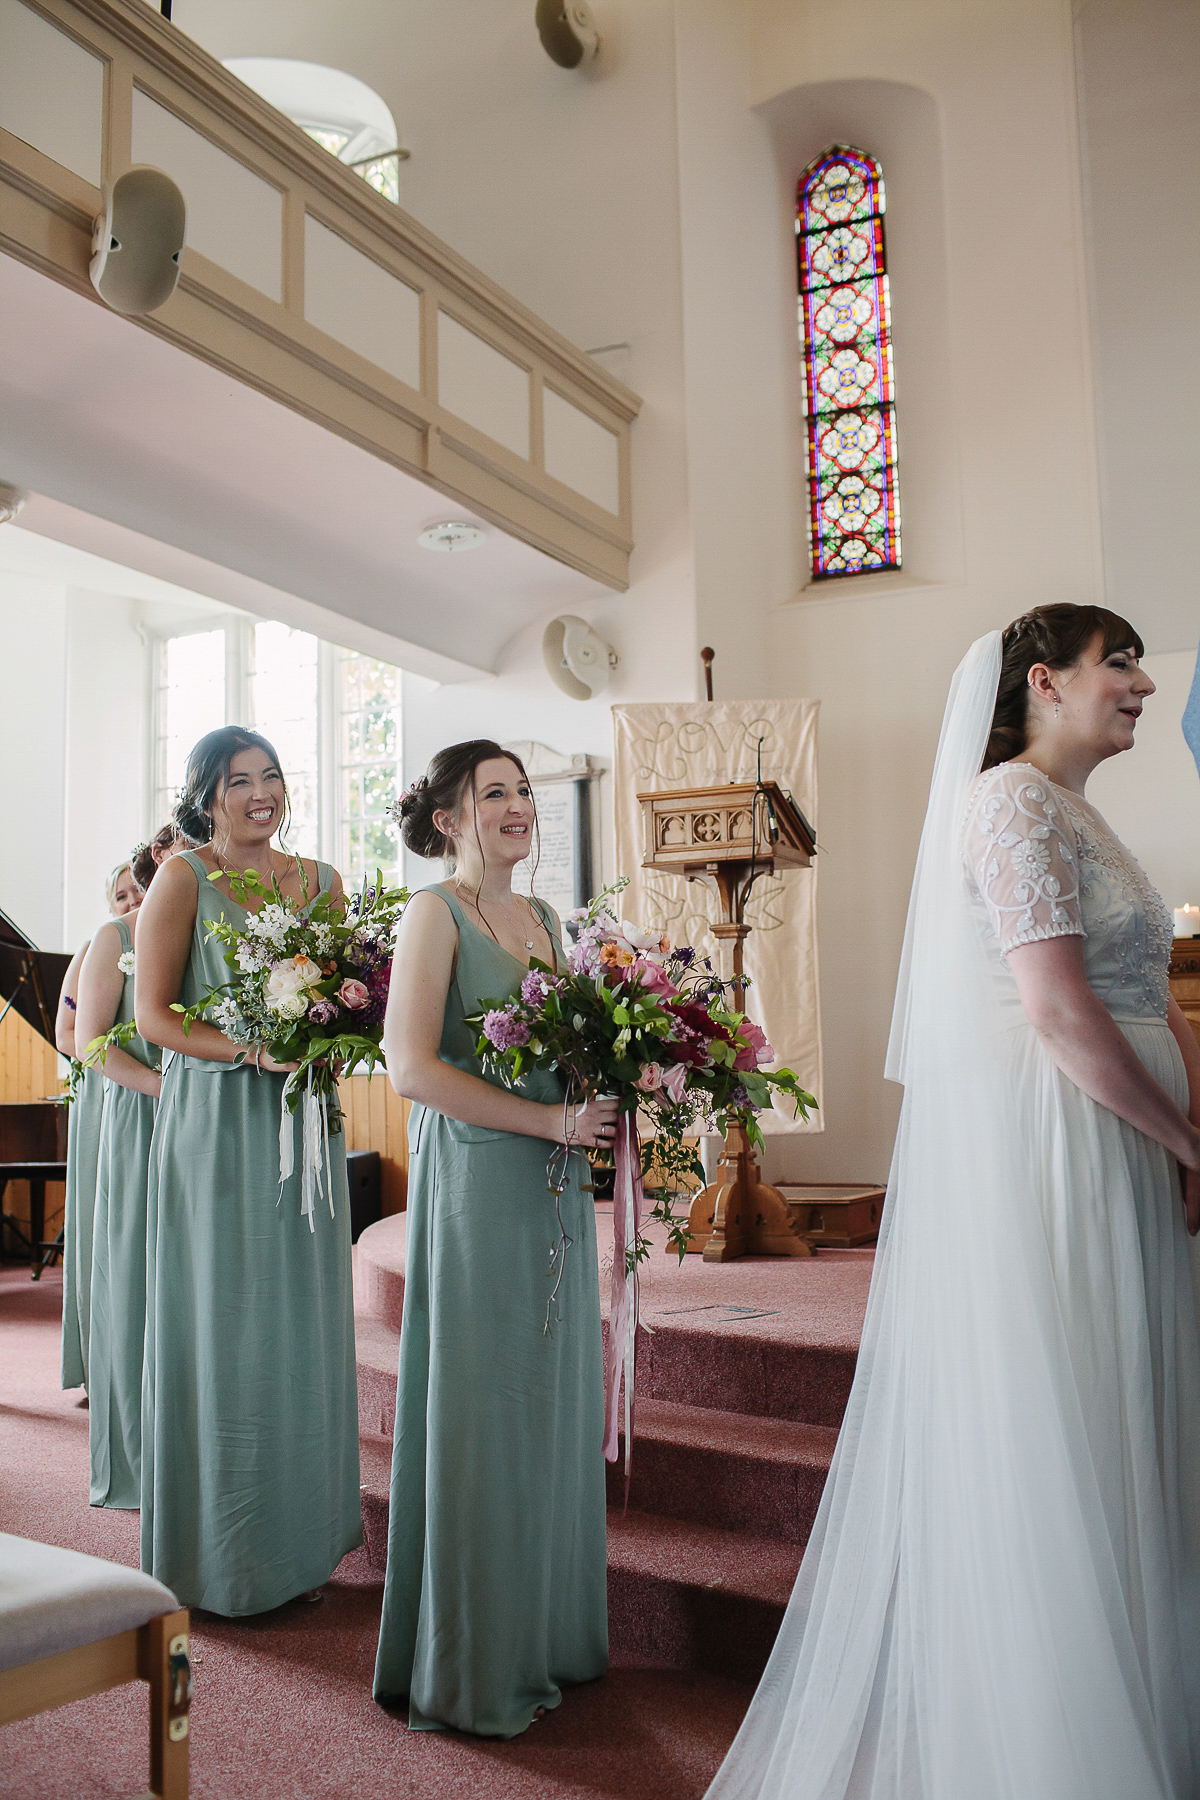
967 1623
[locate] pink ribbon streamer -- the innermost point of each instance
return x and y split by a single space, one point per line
621 1352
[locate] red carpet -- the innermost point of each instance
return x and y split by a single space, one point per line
283 1706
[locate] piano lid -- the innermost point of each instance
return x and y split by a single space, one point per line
30 979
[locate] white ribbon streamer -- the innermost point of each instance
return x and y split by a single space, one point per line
314 1150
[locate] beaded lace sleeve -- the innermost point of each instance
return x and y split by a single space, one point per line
1020 852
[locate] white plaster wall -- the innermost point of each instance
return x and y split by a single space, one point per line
1139 95
1000 464
32 743
106 752
1151 795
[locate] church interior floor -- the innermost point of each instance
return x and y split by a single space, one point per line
741 1385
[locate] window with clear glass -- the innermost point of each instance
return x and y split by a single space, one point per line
189 700
368 705
285 707
332 716
339 112
845 339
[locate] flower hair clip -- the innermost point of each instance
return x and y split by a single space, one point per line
409 798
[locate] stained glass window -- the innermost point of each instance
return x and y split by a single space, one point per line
845 339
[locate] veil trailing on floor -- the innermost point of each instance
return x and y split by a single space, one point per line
961 1541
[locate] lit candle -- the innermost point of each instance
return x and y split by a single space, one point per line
1187 921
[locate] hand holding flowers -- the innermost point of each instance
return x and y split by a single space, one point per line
307 998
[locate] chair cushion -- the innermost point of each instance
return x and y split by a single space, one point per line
53 1600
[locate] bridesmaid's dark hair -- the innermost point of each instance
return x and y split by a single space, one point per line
1057 636
208 771
443 787
144 863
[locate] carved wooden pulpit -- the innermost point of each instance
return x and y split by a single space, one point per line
730 836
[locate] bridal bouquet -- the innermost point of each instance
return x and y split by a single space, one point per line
654 1026
310 986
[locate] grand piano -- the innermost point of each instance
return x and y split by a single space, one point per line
33 1133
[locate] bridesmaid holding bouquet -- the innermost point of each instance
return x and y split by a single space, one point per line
250 1492
496 1592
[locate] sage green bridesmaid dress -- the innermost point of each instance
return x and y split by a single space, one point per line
83 1149
118 1312
496 1596
250 1490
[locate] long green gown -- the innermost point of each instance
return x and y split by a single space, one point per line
250 1490
83 1148
118 1314
496 1593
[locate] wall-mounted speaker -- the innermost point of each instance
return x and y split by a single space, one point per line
577 659
568 31
137 245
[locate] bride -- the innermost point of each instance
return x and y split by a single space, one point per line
1000 1599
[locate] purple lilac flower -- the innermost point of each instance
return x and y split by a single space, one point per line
535 987
322 1012
505 1030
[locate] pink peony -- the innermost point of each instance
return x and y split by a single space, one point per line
653 977
354 995
757 1051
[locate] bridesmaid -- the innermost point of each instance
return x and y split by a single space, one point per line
250 1491
496 1583
118 1286
124 896
147 858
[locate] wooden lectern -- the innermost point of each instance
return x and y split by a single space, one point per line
731 835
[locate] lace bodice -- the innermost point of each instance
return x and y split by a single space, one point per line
1042 863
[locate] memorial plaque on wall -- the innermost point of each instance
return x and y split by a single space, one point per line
563 796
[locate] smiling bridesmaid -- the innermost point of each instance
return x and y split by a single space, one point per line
250 1491
496 1592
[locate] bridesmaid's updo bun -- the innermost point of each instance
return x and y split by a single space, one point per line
206 774
443 788
1057 636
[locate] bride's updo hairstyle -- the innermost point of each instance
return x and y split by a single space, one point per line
208 771
443 788
1057 636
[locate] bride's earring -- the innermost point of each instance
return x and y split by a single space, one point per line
1057 705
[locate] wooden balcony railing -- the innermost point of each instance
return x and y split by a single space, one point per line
302 282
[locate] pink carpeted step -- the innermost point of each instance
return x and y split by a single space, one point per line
695 1597
375 1475
377 1353
680 1595
379 1269
739 1473
767 1336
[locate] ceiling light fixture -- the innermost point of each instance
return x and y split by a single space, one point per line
452 534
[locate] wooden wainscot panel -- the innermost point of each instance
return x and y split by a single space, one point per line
377 1119
29 1071
1185 980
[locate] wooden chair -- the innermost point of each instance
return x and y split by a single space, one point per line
73 1625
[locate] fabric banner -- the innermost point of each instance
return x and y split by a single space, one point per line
687 744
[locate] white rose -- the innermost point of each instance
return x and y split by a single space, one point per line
288 985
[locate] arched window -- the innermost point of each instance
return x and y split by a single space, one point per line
341 113
845 337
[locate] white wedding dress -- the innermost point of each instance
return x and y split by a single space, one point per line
1001 1596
